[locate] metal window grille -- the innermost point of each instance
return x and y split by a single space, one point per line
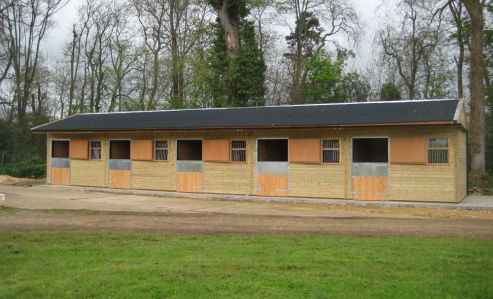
238 151
161 150
438 150
95 150
330 151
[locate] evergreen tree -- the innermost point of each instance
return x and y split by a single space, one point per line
237 80
390 92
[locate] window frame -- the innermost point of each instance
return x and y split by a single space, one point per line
100 150
322 149
438 149
154 149
231 149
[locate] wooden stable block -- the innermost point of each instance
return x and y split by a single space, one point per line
216 150
189 181
370 188
272 185
408 150
60 176
141 150
79 149
304 150
120 179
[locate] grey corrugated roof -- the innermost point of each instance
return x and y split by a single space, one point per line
323 115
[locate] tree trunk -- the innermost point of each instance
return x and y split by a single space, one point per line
231 30
476 85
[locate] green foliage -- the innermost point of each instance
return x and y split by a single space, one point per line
131 265
324 79
390 92
355 88
18 143
307 34
236 8
237 81
247 72
33 168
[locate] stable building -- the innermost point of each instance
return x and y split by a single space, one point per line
386 151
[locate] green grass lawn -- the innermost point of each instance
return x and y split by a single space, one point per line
124 265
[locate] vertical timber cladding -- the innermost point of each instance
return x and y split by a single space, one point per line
60 162
120 165
189 165
370 168
272 167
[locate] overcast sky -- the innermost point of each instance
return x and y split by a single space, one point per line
368 10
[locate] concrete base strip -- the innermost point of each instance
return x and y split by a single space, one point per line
484 203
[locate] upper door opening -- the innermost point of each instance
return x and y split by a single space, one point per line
60 149
370 150
272 150
120 149
189 150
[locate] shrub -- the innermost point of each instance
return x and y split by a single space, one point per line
26 169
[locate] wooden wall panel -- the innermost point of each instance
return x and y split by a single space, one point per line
141 150
79 149
216 150
120 179
461 166
272 185
189 182
317 180
88 173
153 175
408 150
60 176
304 150
370 188
229 178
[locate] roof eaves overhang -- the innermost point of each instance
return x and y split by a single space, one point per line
96 130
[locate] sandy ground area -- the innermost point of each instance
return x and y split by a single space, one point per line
41 208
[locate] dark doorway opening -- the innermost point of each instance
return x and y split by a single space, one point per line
370 150
189 150
60 149
272 150
120 149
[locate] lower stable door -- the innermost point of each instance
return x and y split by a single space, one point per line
120 179
189 181
272 185
370 188
60 176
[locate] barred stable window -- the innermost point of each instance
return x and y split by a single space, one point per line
161 150
330 151
95 150
238 151
438 150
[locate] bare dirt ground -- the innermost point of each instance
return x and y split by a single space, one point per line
216 223
41 208
26 182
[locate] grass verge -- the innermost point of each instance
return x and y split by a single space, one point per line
88 264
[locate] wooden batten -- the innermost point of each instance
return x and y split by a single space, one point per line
408 150
79 149
304 150
216 150
141 150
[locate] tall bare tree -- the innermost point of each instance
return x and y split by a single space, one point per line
477 88
335 17
26 23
